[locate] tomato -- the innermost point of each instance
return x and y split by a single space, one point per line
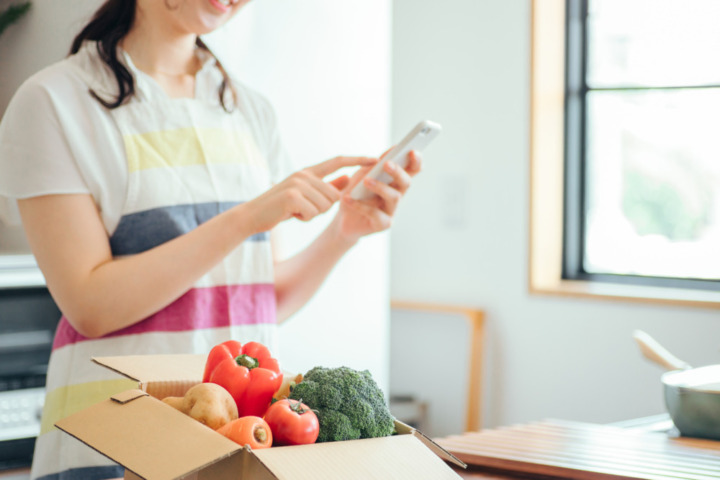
248 430
292 423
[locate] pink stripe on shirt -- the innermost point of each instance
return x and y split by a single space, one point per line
199 308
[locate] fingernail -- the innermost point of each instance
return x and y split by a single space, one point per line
348 199
371 182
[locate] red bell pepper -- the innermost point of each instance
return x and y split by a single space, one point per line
247 371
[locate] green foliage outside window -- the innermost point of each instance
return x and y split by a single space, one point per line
661 207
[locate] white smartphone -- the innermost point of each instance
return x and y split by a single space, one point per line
418 138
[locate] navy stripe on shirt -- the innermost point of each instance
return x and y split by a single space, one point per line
144 230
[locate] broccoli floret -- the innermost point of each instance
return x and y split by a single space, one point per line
348 403
335 426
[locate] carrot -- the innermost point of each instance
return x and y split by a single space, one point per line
249 430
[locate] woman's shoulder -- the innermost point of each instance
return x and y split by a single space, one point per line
55 76
73 76
51 87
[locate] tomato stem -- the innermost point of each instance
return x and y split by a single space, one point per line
297 406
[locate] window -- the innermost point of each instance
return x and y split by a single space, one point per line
625 154
642 186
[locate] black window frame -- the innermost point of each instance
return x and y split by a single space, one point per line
574 191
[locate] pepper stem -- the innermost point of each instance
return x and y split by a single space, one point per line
247 361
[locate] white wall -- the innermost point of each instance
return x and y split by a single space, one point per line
462 236
325 65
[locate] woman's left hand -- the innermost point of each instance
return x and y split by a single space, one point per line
358 218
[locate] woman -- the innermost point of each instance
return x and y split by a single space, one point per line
147 182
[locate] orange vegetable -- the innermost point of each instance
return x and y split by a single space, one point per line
249 430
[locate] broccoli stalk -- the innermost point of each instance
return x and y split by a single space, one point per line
348 403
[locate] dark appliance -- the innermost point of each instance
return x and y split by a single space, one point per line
28 319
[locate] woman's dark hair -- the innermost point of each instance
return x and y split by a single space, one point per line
108 26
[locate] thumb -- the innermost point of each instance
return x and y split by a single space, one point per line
341 182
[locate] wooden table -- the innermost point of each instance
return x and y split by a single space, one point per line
651 424
478 473
560 449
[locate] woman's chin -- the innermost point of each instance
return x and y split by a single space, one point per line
208 24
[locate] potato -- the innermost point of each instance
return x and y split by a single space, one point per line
208 403
175 402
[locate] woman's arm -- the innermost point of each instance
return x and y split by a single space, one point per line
298 278
100 294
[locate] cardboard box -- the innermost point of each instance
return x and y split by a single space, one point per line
156 442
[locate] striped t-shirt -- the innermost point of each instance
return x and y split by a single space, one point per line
157 167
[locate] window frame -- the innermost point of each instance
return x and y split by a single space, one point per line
548 208
576 92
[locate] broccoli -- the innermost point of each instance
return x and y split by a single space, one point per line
348 403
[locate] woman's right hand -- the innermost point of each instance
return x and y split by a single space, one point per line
302 195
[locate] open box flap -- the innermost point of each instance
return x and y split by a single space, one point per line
159 375
403 428
149 438
156 368
397 457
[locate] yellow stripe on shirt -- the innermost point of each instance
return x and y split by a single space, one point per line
65 401
190 146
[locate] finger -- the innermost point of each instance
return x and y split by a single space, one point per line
340 183
358 176
414 163
401 178
304 209
319 198
377 219
386 152
329 166
305 179
390 196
